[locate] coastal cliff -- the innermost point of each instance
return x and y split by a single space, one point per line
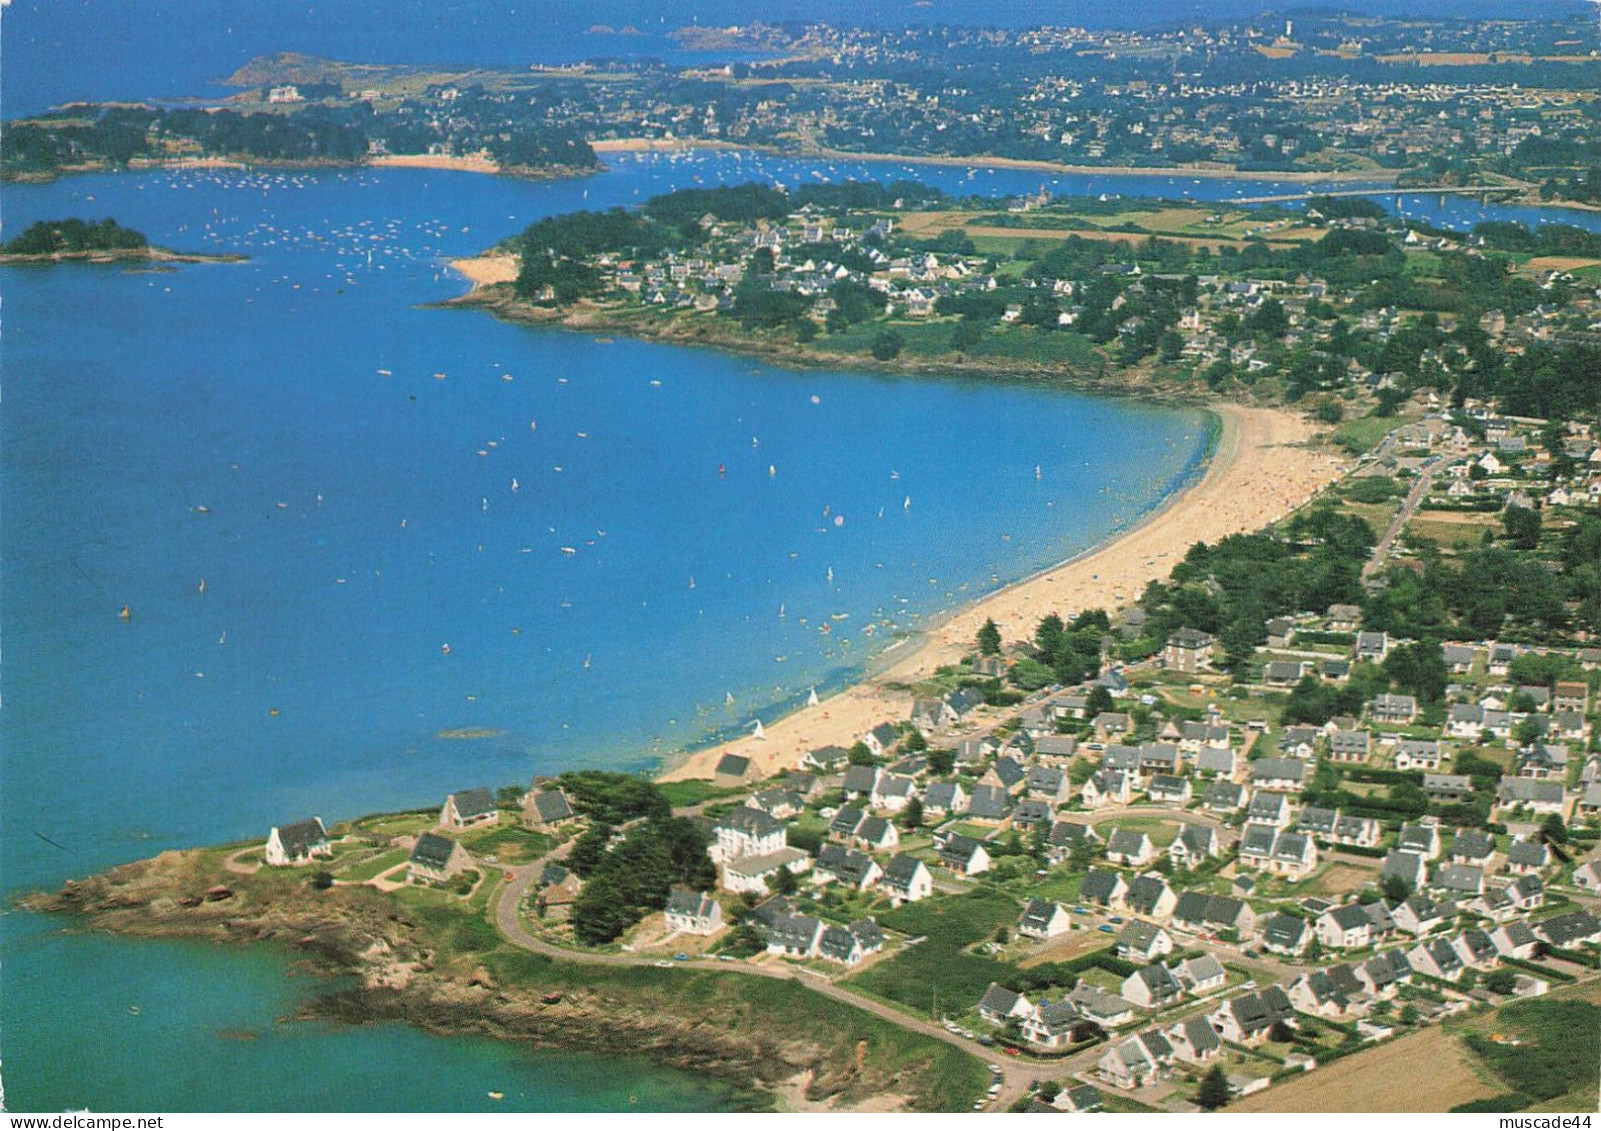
437 964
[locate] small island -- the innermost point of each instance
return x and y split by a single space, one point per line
97 241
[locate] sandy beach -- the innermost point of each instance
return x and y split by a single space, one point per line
487 270
476 163
1261 470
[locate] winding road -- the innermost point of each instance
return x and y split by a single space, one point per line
1017 1073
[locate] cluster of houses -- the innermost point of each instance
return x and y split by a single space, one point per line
1390 943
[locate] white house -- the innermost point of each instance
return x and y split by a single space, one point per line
297 843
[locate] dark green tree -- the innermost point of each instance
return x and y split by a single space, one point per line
1214 1091
989 639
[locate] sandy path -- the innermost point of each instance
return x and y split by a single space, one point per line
1259 473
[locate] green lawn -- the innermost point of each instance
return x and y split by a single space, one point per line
1363 434
512 843
941 964
374 867
1558 1057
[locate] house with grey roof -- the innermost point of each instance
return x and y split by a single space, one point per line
1448 789
1031 812
1393 709
436 859
893 792
1105 1009
1458 880
297 842
881 739
906 879
1169 789
878 834
1472 846
1104 888
1569 929
1000 1005
1419 838
964 855
1143 942
1052 1024
1207 914
989 803
1056 749
1224 797
1006 773
827 759
941 798
1216 761
847 866
1290 855
1200 974
1043 919
1048 783
1344 928
795 936
1278 774
468 809
1419 754
1350 746
757 873
1130 847
860 781
1249 1018
1135 1060
1107 787
1194 1041
1285 934
1408 867
1298 742
849 945
1269 809
1149 895
1282 673
692 912
1152 987
1193 846
546 809
746 832
1527 856
1543 797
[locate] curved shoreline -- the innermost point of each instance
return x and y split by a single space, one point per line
1260 470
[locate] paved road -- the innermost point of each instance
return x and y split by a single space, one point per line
1018 1073
1420 489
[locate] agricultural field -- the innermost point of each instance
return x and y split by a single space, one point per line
1425 1071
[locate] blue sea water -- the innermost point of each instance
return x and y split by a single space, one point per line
234 424
334 461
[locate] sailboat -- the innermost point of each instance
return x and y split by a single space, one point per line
728 698
758 732
202 586
514 484
125 614
907 505
811 698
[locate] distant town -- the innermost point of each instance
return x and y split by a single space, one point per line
1496 103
